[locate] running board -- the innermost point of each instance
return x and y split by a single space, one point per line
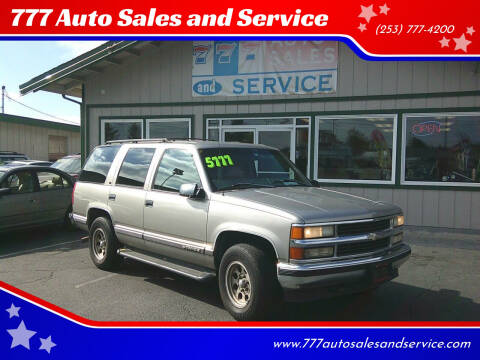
195 273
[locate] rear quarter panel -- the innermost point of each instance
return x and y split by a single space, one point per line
90 195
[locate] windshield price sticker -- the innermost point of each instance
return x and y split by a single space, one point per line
218 161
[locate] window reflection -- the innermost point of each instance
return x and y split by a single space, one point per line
169 129
122 130
355 148
442 148
176 168
134 169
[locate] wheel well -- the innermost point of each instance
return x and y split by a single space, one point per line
95 213
229 238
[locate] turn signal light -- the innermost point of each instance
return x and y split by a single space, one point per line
311 232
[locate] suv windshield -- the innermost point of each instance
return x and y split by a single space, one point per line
242 168
69 165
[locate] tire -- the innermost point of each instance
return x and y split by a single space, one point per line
104 256
256 283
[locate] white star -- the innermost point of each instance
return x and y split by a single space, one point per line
13 311
21 336
444 42
470 30
47 344
367 12
384 9
362 27
461 43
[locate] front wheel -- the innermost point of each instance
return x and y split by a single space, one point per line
247 282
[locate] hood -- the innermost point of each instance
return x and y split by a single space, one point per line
312 204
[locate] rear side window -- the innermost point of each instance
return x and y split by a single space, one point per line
134 169
98 164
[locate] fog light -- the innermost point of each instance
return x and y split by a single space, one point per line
321 252
396 239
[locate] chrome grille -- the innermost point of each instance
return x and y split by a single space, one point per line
362 227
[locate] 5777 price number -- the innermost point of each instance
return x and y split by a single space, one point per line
397 29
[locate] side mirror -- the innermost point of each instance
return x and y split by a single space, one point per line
192 191
5 191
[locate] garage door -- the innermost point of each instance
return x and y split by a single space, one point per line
57 147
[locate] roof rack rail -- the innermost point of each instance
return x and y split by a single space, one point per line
139 141
136 141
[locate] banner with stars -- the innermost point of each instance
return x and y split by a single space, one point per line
32 328
374 29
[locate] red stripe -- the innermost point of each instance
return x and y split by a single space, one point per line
88 322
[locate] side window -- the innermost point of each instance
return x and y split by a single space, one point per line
51 181
20 182
98 164
177 167
134 169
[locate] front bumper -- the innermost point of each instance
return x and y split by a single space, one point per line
310 281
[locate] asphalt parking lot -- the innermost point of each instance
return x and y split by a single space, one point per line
441 281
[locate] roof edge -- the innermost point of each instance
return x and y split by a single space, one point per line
16 119
71 66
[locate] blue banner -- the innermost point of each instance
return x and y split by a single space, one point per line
37 330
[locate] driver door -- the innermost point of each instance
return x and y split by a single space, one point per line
20 206
174 225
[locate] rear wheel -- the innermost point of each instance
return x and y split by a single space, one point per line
103 244
247 282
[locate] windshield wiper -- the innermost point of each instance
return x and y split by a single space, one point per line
244 186
289 182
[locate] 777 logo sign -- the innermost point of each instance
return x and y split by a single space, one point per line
200 53
224 52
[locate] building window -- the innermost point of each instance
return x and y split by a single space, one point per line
169 128
121 129
356 149
291 135
441 149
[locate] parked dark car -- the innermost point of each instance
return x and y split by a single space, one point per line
34 195
70 164
7 156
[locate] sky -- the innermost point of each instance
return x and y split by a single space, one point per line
22 60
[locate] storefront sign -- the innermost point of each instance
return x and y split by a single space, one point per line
426 128
249 68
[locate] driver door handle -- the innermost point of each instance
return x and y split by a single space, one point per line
149 203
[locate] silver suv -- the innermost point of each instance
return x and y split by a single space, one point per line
242 213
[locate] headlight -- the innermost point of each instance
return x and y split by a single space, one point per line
312 232
398 220
297 253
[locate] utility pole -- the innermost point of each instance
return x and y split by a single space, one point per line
3 99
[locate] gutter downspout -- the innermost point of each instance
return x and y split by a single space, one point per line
82 122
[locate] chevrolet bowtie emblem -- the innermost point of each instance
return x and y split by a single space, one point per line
372 236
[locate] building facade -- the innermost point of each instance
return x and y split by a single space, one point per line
38 139
397 131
